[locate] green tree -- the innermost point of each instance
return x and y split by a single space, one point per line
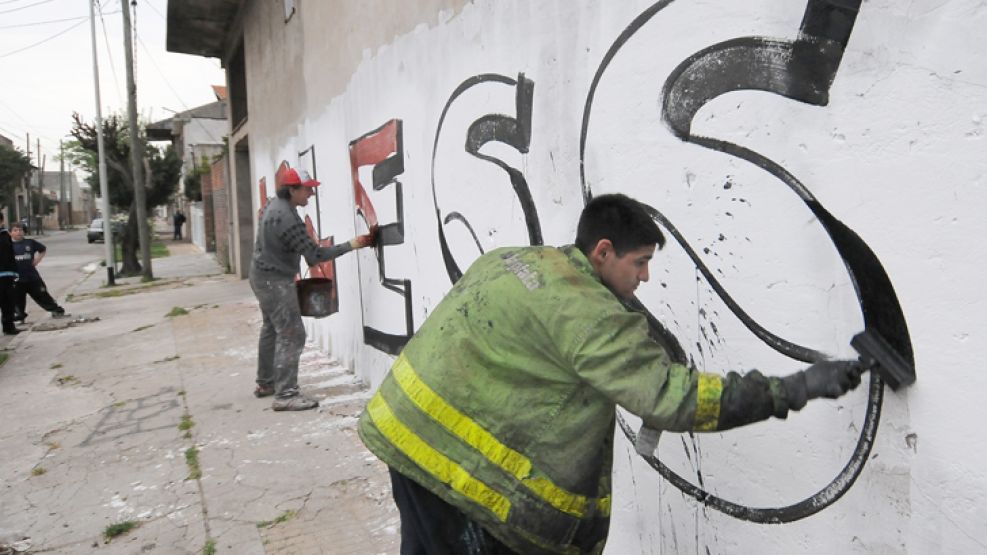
14 165
162 169
42 204
193 181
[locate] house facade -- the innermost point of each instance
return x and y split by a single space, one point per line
817 166
66 195
198 136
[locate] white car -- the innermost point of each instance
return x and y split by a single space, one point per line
95 231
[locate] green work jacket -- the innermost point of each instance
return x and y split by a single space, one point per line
503 403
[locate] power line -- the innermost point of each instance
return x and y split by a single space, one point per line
20 117
166 80
109 54
155 10
36 23
39 23
11 110
27 123
46 142
25 7
56 35
168 83
158 69
12 134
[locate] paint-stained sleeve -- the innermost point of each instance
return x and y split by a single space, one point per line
296 239
321 254
615 356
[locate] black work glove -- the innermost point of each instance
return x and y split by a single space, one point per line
829 379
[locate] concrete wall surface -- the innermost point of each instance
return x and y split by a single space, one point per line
814 173
205 132
197 224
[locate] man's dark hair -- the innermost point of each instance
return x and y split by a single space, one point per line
15 225
285 192
619 218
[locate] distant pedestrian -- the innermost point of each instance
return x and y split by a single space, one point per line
29 253
179 220
281 242
8 274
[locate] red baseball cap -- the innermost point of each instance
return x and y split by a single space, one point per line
298 177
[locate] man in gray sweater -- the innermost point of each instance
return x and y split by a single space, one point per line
281 242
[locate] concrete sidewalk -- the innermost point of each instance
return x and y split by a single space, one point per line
128 412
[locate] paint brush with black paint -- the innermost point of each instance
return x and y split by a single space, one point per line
879 356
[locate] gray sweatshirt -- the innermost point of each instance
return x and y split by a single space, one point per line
282 240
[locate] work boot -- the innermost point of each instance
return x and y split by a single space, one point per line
61 314
295 402
20 317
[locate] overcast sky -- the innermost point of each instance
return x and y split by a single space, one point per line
46 69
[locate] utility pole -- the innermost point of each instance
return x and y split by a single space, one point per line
104 186
27 185
40 216
61 184
136 149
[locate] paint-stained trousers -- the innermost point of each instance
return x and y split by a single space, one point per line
282 335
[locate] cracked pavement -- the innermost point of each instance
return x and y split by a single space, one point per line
92 407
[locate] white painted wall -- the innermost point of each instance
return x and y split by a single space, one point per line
897 155
204 132
197 224
202 139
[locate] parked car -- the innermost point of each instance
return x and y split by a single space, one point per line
95 231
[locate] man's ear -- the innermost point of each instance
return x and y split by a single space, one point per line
598 255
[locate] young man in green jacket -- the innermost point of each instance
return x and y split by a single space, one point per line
497 419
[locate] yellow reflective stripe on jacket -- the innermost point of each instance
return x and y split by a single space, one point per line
433 462
708 402
458 423
483 441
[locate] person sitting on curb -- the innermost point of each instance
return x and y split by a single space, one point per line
29 253
281 242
